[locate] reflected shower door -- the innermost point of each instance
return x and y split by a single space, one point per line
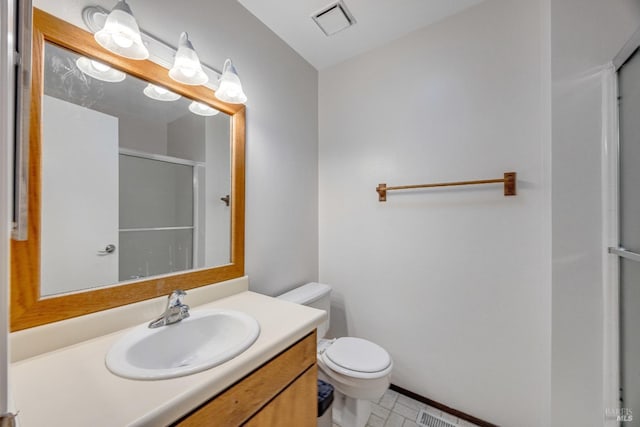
156 216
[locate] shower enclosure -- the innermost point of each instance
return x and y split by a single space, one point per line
629 191
626 238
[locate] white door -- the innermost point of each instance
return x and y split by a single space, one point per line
79 197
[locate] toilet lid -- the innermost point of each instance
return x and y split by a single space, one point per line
359 355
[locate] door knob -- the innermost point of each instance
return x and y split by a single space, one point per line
111 248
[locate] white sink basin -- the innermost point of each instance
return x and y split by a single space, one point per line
205 339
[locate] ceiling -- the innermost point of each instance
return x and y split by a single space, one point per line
377 23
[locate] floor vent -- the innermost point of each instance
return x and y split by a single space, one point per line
426 419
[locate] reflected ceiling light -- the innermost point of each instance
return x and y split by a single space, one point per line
159 93
99 71
121 34
230 89
186 66
202 109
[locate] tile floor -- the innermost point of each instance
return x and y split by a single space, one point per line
396 410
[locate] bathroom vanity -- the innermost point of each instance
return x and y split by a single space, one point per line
283 388
274 379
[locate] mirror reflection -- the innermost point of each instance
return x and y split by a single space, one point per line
136 179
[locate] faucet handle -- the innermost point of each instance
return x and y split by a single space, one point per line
175 298
175 311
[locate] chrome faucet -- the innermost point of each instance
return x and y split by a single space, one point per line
175 311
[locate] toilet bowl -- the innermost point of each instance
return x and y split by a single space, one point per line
358 369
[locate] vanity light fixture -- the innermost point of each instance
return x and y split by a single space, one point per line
99 71
159 93
121 34
186 66
230 89
202 109
180 64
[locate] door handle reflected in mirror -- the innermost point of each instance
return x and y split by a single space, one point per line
111 248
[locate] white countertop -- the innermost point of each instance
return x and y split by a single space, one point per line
71 386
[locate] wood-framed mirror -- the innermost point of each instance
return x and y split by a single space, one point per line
70 110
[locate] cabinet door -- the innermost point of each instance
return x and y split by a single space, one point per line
295 406
240 402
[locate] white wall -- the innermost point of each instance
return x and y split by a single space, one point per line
586 34
454 283
143 135
282 196
186 137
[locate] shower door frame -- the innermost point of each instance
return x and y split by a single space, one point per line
612 252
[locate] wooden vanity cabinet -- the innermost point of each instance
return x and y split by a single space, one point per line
281 393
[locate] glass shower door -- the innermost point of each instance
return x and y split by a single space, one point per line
629 273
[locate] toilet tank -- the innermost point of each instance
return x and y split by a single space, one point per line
316 295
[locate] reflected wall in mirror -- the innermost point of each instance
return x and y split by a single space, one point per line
131 175
131 184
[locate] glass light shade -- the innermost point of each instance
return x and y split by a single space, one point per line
202 109
121 34
186 66
159 93
99 71
230 89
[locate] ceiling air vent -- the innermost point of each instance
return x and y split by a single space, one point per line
334 18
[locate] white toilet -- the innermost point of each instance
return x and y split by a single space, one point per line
359 370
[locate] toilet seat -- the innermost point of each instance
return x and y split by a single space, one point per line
357 358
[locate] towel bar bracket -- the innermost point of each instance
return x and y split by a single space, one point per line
382 192
509 183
